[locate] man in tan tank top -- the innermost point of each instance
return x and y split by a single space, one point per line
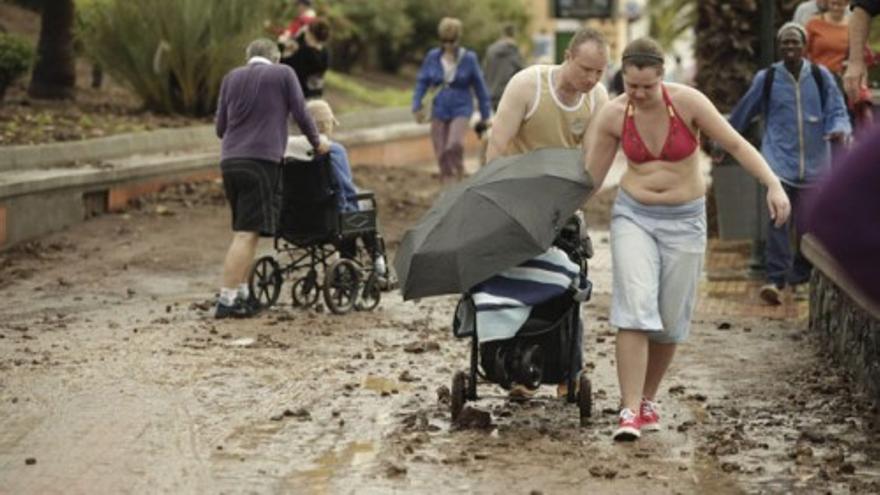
551 106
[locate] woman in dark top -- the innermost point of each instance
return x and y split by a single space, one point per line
310 58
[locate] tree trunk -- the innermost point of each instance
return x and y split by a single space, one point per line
727 46
54 75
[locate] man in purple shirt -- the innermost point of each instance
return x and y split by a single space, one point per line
255 101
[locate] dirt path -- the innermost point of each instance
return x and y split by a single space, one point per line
114 378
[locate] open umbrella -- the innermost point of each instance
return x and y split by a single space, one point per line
508 212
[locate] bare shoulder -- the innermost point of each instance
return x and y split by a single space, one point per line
686 95
610 117
525 79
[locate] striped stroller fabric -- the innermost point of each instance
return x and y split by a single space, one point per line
503 303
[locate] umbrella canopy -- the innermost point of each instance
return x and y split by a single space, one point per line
508 212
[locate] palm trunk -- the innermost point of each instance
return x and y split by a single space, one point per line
728 46
54 75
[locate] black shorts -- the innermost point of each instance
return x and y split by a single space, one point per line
251 187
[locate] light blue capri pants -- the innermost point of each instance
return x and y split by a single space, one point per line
657 256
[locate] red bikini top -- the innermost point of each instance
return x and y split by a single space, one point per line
680 141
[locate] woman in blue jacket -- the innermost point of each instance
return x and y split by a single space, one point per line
455 71
803 112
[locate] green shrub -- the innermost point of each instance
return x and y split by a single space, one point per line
481 23
387 34
385 97
16 57
172 53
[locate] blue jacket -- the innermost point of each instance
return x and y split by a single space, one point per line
455 99
346 195
796 125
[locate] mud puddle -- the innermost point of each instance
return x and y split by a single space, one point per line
115 378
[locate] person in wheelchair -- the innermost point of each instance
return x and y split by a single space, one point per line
346 196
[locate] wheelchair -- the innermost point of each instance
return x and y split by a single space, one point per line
321 250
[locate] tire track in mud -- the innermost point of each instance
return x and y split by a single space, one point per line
135 387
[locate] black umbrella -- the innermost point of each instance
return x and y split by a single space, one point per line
508 212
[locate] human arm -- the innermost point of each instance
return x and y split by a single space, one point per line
512 109
710 121
479 84
422 84
518 61
855 75
750 104
834 116
601 143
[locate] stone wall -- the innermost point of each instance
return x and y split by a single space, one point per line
846 323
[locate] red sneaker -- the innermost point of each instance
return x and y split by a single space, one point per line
629 427
648 416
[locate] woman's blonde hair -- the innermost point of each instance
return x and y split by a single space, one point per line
322 114
449 28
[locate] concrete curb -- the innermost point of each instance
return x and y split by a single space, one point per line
201 137
45 188
59 154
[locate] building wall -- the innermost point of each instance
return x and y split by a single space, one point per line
615 30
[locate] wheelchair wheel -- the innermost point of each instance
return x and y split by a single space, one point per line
459 389
265 281
341 286
370 295
305 290
585 398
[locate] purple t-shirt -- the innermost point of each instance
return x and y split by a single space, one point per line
255 101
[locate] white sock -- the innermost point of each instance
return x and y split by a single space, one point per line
243 291
379 265
227 296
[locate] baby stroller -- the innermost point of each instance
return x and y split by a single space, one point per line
543 350
311 233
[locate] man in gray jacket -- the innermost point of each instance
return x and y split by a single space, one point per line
503 60
255 101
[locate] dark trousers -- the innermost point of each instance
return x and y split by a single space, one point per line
348 247
785 263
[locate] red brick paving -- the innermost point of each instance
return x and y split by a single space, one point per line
726 289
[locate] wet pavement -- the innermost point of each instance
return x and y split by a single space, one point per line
115 378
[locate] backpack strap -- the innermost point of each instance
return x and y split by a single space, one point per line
768 84
820 83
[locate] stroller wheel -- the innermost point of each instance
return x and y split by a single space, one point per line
341 285
305 291
459 389
265 281
370 295
585 398
531 367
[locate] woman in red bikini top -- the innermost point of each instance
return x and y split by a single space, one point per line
680 141
658 222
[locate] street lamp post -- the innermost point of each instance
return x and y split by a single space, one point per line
766 53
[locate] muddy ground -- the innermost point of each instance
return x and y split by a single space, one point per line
114 378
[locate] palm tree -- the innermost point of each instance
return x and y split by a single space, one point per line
727 46
670 19
54 75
